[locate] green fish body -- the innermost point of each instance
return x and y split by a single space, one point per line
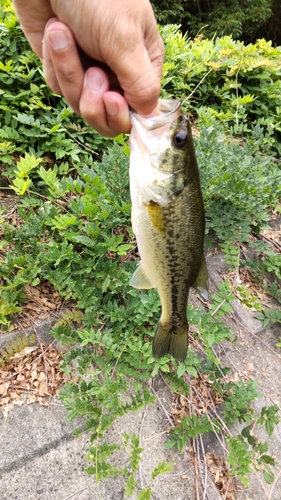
168 220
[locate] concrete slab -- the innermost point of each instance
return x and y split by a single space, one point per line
41 460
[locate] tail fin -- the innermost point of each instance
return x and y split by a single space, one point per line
169 340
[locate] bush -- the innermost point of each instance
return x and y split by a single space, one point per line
239 85
244 20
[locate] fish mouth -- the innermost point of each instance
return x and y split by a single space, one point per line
168 110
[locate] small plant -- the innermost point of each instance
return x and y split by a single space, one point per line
269 316
246 450
16 346
190 427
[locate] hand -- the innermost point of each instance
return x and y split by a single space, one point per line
101 56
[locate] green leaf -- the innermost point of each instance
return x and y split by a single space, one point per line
26 164
170 444
181 369
161 468
105 284
244 480
62 221
20 186
267 459
192 371
130 486
145 494
268 475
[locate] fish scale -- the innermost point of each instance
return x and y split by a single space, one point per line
168 220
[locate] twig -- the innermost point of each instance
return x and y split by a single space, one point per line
34 361
221 422
31 389
226 355
196 456
42 350
217 308
197 490
29 191
81 144
163 408
75 493
198 85
261 236
261 483
205 467
273 485
140 443
7 215
155 436
213 409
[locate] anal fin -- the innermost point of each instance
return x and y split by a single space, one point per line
140 279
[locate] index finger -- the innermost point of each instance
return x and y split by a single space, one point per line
33 16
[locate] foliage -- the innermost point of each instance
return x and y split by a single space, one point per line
246 21
75 232
239 184
269 316
189 428
247 451
32 118
16 346
240 84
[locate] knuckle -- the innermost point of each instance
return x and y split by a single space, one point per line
52 82
68 75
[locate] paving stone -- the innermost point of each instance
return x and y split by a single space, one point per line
41 459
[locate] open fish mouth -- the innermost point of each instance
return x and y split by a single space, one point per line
168 110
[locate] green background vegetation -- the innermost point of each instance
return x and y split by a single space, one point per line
75 231
247 21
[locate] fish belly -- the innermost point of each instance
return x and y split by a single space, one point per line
170 244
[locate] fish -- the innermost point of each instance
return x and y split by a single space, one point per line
168 220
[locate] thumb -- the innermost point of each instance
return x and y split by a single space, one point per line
142 86
139 74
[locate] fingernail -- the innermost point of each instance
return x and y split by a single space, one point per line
58 39
94 80
111 108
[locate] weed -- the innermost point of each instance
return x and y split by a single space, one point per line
16 346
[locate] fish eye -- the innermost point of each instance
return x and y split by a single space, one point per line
179 139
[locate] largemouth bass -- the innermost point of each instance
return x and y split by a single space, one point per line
168 220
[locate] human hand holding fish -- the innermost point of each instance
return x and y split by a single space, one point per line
168 220
101 56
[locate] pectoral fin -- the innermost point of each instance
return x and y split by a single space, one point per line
201 283
140 279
